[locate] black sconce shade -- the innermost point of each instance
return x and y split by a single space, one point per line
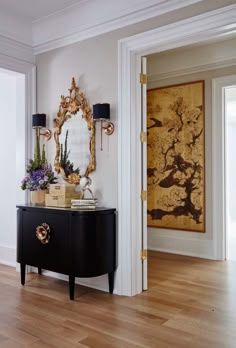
38 120
101 111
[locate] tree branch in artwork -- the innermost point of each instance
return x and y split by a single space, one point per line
177 163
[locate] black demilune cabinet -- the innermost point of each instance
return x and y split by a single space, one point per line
78 243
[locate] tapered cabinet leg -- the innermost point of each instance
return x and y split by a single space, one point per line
72 287
22 273
111 278
39 271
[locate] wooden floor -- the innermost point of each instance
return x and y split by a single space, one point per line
190 303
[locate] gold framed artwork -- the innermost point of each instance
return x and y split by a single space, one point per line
175 157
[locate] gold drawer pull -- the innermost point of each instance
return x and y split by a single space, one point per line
43 233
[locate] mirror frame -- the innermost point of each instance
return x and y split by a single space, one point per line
69 106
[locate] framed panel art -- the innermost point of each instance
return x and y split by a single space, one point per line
175 157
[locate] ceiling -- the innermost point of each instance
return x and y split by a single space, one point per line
36 26
32 9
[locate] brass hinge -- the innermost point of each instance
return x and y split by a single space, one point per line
143 254
143 79
143 137
143 195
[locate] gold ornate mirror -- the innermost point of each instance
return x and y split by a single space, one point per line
74 136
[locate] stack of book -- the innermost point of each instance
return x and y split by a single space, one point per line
85 203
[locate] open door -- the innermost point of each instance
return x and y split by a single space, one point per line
143 138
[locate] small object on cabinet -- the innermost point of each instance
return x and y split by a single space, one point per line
89 203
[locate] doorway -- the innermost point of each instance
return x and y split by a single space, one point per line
129 273
13 150
230 139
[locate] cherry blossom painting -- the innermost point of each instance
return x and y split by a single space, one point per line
175 157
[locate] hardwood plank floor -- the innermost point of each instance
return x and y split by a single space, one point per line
191 303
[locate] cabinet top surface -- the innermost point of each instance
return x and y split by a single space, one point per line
98 210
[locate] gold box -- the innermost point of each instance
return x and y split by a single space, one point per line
66 190
57 201
62 201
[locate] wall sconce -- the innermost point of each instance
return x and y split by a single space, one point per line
101 112
38 122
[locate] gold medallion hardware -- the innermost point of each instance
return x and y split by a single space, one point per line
143 79
143 195
143 255
43 233
143 137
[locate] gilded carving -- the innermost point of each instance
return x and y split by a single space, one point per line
69 106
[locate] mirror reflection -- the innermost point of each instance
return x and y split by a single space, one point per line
74 136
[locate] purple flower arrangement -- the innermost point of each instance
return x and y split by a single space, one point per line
38 178
39 172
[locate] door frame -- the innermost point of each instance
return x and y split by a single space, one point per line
29 70
130 50
219 163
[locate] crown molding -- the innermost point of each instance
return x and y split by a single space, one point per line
16 50
153 78
53 31
214 24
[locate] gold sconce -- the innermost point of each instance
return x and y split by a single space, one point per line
101 112
39 122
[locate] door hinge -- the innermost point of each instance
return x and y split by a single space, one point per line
143 195
143 254
143 79
143 137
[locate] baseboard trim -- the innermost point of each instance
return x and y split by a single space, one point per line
6 263
98 283
8 256
178 252
182 243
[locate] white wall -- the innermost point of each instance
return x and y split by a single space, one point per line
94 64
12 88
181 65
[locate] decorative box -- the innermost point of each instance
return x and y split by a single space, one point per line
61 201
60 195
57 201
65 190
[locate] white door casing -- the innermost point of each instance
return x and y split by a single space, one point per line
144 173
196 29
7 255
219 163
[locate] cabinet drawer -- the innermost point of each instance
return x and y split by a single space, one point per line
53 256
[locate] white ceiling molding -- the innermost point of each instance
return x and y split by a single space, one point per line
191 70
15 28
16 50
85 20
33 10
